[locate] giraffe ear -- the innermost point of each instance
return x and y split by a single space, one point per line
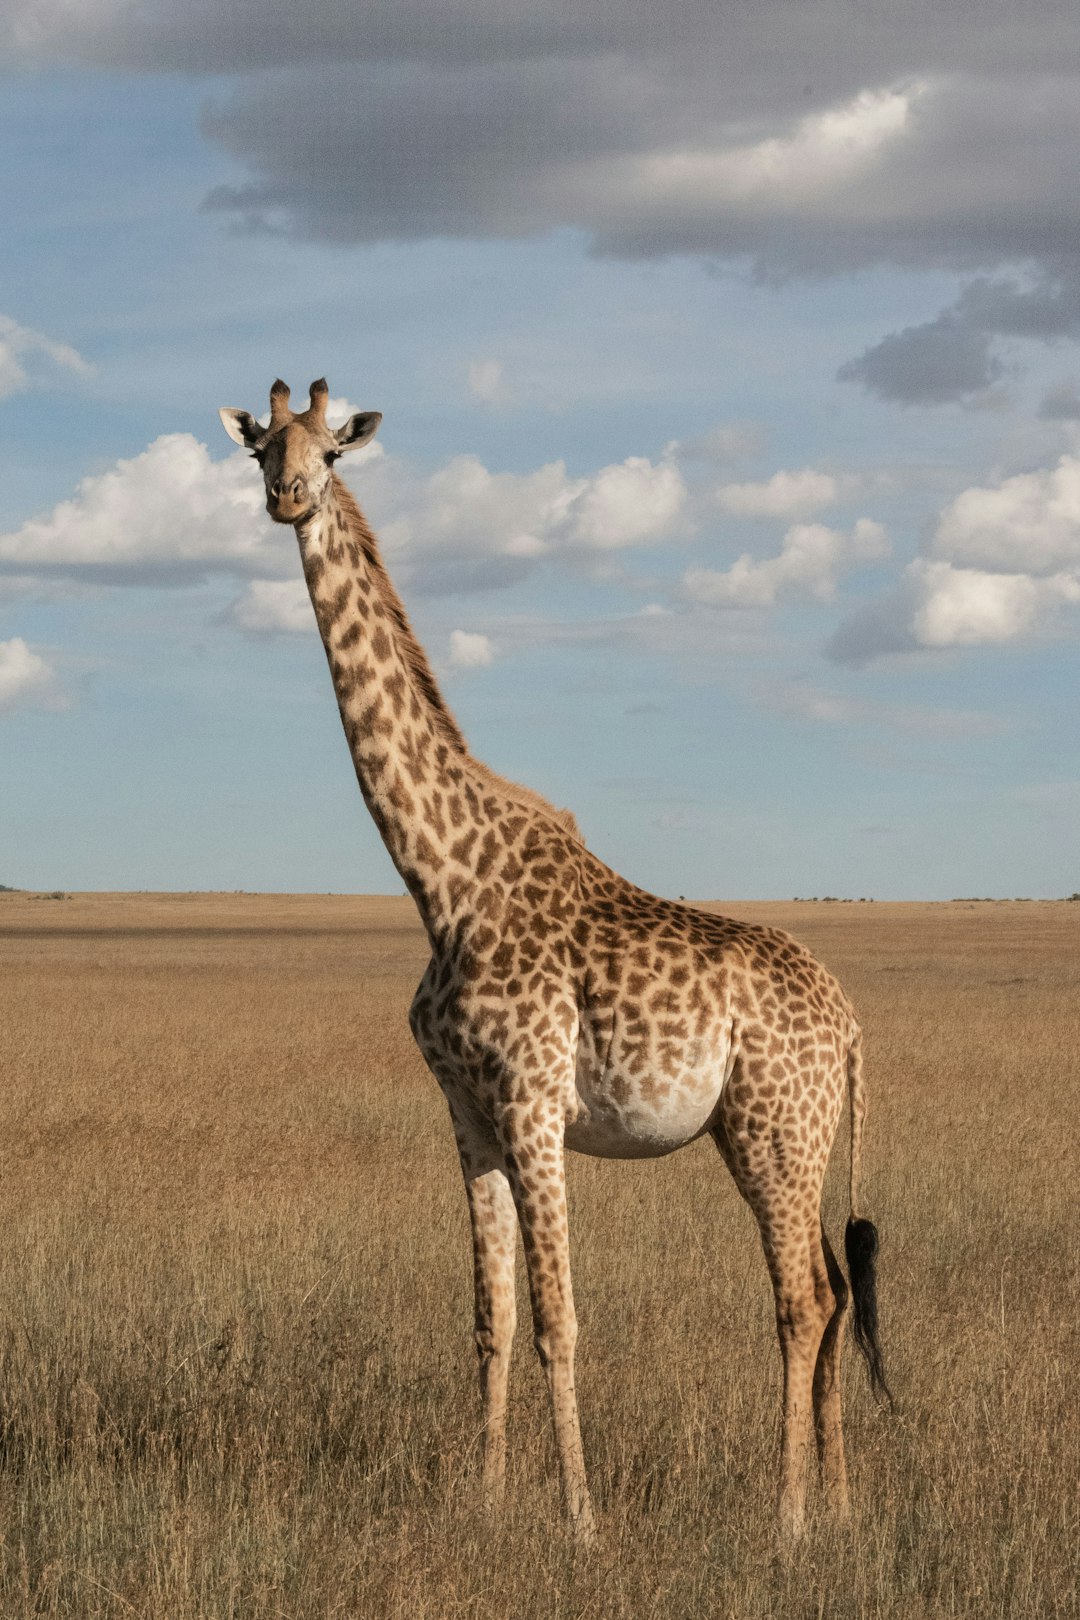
358 430
241 426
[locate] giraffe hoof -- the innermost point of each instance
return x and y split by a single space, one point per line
582 1525
790 1534
838 1514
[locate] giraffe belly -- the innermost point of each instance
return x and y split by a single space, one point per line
644 1114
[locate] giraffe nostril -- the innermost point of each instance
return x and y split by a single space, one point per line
297 489
275 489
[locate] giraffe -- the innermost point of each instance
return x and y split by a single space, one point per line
564 1008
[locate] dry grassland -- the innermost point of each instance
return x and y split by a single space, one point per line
236 1376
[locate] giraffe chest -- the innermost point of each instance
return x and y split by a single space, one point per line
646 1087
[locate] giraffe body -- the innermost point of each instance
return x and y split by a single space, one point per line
565 1008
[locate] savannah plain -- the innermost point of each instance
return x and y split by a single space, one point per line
236 1370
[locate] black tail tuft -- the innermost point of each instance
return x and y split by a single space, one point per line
861 1247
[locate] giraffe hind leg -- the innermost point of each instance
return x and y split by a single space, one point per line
801 1320
827 1415
786 1206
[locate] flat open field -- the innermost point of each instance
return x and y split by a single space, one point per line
236 1372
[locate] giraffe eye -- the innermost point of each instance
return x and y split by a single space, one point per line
331 456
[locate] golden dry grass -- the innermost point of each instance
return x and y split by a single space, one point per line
236 1376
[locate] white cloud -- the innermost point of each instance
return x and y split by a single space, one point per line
173 515
338 411
1003 564
965 607
465 510
784 495
170 511
274 606
1029 523
626 504
25 678
464 514
21 347
934 605
486 381
470 650
810 563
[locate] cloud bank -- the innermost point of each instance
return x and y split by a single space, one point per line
802 137
802 134
1002 564
173 515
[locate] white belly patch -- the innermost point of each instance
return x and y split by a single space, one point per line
644 1115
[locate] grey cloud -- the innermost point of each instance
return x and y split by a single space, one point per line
1049 309
953 357
787 50
687 129
1061 404
944 359
638 153
204 36
359 153
500 118
877 629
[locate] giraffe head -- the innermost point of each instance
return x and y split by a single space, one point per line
297 453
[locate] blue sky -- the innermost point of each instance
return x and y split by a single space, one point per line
730 463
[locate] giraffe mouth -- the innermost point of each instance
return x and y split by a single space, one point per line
290 518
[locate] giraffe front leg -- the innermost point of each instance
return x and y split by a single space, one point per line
494 1233
534 1161
493 1219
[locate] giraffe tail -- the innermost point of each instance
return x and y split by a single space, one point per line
861 1239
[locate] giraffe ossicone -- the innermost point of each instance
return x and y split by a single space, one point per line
565 1008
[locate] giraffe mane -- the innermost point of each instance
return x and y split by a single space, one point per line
417 664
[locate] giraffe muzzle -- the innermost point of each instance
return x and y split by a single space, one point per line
287 502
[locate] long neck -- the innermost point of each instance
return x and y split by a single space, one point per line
425 792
